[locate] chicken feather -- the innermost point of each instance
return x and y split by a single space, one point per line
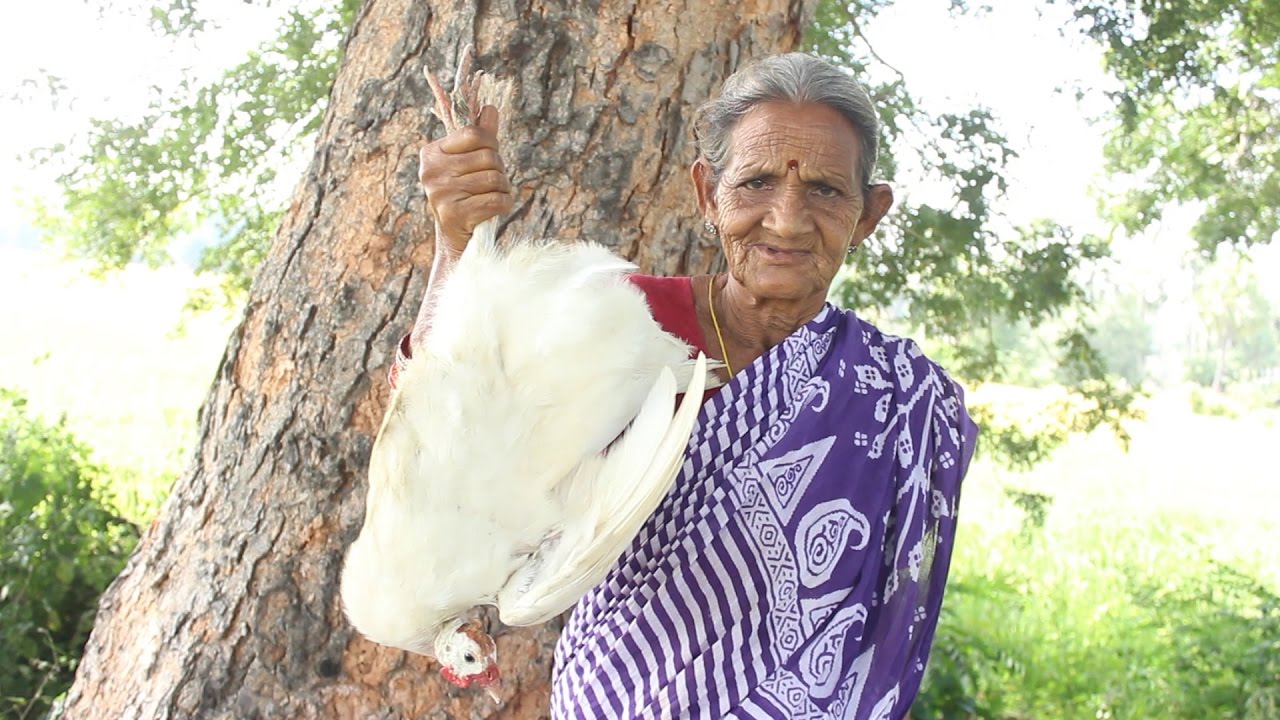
608 505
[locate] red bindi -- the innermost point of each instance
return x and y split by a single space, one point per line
793 165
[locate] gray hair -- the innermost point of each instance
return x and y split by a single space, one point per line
795 78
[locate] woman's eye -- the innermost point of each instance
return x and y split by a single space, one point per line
826 191
755 184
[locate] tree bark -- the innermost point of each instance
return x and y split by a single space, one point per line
229 606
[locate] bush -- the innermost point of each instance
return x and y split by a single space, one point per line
63 544
1223 635
1114 623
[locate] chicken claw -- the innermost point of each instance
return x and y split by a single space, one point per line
461 107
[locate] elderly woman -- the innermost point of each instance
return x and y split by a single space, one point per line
797 568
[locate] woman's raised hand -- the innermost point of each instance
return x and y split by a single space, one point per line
462 172
465 181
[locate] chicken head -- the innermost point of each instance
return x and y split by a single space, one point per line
468 656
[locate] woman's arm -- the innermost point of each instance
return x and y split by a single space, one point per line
441 266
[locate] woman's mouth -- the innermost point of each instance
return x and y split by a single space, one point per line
780 256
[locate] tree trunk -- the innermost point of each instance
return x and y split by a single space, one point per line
229 606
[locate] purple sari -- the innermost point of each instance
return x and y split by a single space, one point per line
797 568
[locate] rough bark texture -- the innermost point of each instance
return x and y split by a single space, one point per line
229 606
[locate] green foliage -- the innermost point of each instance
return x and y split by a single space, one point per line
1197 111
960 275
63 545
202 152
1016 443
1100 399
1115 623
1034 507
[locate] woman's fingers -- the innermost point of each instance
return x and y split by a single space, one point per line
488 120
466 139
432 164
482 207
484 134
453 205
461 203
479 183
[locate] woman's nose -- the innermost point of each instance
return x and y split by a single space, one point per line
789 214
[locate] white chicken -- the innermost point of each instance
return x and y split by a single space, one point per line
528 439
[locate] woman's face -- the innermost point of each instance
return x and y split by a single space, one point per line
790 202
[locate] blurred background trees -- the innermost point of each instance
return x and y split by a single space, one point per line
1235 337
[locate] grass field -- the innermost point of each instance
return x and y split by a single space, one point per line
1151 590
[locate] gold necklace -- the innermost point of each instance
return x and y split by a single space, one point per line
724 354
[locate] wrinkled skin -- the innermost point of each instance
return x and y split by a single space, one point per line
788 206
790 203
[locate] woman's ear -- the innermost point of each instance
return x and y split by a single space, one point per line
879 198
704 186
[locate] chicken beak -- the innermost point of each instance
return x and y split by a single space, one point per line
492 682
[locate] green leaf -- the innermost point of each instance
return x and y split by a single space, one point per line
1198 112
202 156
